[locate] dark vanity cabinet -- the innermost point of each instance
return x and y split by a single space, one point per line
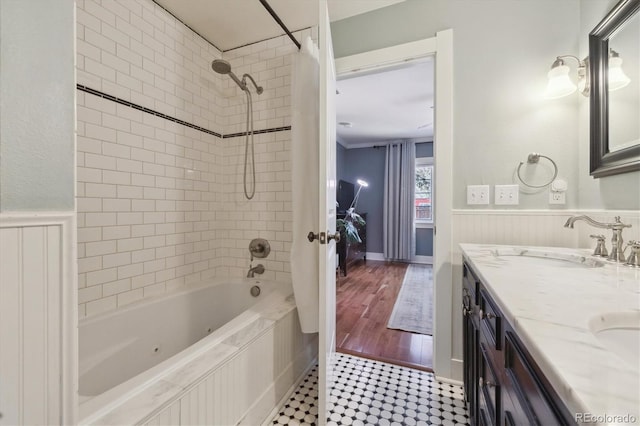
502 383
350 252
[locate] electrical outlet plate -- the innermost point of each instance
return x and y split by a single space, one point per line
556 197
477 194
506 194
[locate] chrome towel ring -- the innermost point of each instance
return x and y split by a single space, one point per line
534 158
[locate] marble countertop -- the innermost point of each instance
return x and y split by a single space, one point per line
553 310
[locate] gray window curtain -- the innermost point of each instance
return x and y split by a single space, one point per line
399 177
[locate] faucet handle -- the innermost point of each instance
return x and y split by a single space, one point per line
619 223
634 255
601 248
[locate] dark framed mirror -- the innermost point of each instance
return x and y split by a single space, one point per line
615 114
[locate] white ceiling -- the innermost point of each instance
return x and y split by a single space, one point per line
233 23
387 105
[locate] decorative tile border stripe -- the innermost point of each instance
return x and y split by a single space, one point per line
174 119
257 132
145 109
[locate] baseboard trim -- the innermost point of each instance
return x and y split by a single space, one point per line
375 256
456 373
427 260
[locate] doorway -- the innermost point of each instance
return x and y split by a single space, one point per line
396 57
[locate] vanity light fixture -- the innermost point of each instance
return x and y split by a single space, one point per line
617 78
560 84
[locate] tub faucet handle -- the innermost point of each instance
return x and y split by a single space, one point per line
601 248
259 248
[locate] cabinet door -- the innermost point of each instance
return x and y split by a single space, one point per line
488 387
531 402
470 344
470 364
490 320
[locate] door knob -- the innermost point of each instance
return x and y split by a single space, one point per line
321 237
335 236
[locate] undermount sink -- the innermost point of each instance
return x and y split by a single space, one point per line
619 332
547 258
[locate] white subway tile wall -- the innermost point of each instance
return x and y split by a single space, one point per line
146 205
267 215
136 51
161 204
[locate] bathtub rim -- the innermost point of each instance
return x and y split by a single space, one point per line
92 408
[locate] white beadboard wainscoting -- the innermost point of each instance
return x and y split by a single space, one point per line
38 318
536 227
523 227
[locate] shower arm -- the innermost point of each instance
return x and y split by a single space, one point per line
244 82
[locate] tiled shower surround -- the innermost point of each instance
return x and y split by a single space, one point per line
160 159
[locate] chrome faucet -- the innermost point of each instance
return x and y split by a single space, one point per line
258 269
617 252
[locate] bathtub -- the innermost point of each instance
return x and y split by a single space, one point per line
216 353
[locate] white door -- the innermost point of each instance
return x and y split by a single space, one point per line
327 216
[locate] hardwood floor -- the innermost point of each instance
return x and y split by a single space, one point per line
364 302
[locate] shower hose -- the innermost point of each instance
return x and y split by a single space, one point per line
249 141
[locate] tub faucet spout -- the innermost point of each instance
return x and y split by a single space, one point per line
258 269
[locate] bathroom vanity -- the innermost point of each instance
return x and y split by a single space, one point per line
550 337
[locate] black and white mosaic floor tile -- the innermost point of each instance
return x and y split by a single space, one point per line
302 408
368 392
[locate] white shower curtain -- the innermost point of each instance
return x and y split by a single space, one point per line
304 182
398 236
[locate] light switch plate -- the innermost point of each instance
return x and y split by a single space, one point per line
477 194
506 194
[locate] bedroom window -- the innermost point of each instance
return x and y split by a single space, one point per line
423 199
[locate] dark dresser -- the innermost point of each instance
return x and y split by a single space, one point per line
351 252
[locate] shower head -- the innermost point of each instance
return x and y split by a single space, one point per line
221 66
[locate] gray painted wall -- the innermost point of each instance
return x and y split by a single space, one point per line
37 106
424 242
502 52
368 164
424 149
340 154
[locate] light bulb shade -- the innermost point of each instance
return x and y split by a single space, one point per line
617 78
362 183
559 83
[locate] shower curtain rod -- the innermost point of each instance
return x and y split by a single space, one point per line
275 16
